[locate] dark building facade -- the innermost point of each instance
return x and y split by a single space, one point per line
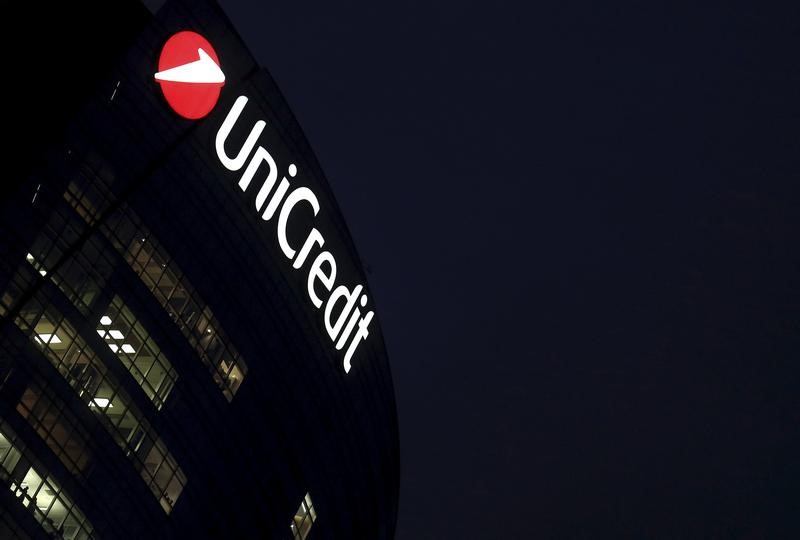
188 344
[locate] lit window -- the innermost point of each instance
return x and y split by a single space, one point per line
161 275
86 373
128 339
39 493
56 425
303 519
164 477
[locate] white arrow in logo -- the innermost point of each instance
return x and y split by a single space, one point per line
204 70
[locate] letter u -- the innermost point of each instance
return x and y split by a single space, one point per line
234 164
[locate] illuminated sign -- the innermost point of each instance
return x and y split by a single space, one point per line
189 75
191 79
344 323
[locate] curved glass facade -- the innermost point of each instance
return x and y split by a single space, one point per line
181 356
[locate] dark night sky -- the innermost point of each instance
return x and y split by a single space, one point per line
581 221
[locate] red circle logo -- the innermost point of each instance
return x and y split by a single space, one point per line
189 74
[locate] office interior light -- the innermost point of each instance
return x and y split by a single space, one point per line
102 402
49 338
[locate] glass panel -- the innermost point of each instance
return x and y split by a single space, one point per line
5 446
10 454
163 476
166 480
30 486
170 287
137 351
127 425
91 380
43 497
177 301
57 514
174 489
153 460
80 277
55 424
303 518
235 378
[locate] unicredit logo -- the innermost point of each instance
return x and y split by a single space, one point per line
189 74
191 79
276 199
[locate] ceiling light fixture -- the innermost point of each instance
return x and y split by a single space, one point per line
50 338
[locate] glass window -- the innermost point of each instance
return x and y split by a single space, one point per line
303 519
95 385
150 261
40 494
56 425
9 456
166 480
89 198
80 277
163 476
22 281
137 351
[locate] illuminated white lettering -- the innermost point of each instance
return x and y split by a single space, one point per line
360 335
350 301
315 272
314 237
276 199
234 164
300 194
349 328
260 156
349 317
